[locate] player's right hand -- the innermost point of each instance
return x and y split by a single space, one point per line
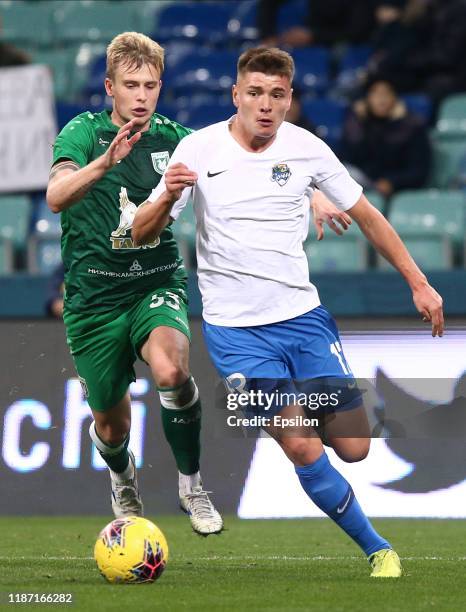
177 178
121 145
325 211
430 305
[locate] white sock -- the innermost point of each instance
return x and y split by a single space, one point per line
127 474
187 482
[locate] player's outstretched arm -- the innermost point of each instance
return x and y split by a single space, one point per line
152 217
68 183
324 211
384 238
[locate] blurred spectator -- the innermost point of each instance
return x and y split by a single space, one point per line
328 22
11 55
385 146
401 26
54 302
421 45
295 114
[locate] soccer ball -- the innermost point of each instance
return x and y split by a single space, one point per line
131 549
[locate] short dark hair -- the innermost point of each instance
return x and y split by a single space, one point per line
266 60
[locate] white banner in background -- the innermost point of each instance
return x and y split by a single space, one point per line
27 127
272 489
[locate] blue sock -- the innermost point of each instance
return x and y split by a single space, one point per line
333 495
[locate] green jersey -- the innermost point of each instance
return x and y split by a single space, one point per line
103 267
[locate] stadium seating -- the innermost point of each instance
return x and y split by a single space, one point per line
346 254
15 215
376 199
46 222
94 21
242 26
97 69
6 256
61 65
292 13
420 105
351 68
204 71
197 116
312 69
328 117
429 252
452 115
429 213
205 22
447 151
44 254
28 23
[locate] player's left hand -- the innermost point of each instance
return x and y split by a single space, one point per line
326 212
430 304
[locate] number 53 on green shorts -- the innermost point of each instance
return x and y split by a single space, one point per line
105 345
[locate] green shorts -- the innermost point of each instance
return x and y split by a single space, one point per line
105 346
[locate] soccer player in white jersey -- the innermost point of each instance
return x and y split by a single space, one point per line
263 321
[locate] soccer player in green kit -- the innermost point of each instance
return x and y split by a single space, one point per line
121 301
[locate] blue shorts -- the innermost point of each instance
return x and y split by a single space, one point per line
300 355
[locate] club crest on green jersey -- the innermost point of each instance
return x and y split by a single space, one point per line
160 161
281 173
118 238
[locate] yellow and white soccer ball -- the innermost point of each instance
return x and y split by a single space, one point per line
131 549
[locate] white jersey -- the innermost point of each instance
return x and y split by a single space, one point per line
252 216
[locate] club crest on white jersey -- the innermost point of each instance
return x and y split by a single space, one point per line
281 173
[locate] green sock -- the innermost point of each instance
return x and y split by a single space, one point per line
183 429
119 460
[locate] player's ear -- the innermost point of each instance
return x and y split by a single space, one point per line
234 95
109 87
290 99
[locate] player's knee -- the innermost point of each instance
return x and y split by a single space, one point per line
112 434
179 397
353 451
171 375
301 451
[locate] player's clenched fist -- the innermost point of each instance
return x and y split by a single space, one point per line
177 177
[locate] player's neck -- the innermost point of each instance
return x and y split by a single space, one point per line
248 141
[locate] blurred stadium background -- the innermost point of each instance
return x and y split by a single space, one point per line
43 428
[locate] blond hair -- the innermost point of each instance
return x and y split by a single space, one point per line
133 49
266 60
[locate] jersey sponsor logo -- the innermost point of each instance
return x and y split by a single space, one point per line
211 174
160 161
118 237
103 142
135 266
281 173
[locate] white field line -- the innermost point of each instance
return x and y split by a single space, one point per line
236 558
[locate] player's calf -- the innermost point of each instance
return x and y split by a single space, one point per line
181 418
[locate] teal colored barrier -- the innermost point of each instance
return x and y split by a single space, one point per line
358 294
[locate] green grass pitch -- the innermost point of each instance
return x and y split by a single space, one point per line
287 565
